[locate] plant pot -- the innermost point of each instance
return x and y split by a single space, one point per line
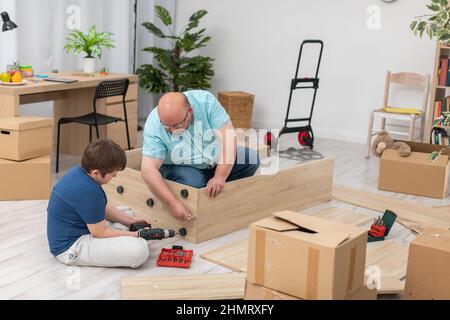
89 65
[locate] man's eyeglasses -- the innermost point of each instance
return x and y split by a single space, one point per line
178 125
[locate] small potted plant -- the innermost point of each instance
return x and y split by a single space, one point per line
91 43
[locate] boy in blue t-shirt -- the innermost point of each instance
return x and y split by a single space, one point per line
82 229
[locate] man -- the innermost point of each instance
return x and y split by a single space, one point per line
82 230
189 138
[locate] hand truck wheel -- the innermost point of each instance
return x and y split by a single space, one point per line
270 140
305 139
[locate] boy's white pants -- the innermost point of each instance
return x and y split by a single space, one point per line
106 252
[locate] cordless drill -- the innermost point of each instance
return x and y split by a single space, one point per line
145 231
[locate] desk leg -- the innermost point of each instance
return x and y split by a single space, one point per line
9 106
74 137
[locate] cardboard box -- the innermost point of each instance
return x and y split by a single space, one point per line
415 174
428 273
307 257
25 180
23 138
256 292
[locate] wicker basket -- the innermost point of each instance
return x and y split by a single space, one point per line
239 105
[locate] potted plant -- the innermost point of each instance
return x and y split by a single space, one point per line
91 43
436 24
176 68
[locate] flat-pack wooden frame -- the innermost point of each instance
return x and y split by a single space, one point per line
241 203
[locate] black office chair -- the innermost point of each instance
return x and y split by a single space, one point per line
104 89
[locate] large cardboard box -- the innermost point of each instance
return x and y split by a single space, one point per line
25 180
428 272
256 292
307 257
415 174
23 138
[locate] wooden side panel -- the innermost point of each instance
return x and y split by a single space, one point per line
232 256
134 159
136 193
413 216
198 287
248 200
9 106
391 258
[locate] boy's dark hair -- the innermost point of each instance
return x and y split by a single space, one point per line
105 156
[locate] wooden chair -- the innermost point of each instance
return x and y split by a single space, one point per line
412 80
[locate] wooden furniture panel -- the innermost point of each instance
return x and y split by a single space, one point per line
197 287
232 256
9 106
391 258
413 216
248 200
241 203
136 193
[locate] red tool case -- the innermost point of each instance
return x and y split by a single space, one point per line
175 258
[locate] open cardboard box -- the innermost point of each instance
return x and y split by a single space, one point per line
415 174
307 257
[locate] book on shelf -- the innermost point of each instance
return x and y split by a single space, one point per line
437 109
441 107
447 81
443 70
440 136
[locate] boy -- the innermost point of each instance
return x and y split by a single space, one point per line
79 224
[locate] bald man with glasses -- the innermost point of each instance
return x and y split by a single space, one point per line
189 138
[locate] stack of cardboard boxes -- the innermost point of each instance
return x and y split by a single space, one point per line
296 256
25 149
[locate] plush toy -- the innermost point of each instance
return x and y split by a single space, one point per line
384 141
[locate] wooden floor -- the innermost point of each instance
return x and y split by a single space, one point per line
29 271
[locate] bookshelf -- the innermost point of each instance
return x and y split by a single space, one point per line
437 91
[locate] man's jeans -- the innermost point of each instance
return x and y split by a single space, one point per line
198 178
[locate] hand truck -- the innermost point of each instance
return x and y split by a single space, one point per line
305 132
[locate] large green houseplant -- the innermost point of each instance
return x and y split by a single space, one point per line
91 43
436 24
176 68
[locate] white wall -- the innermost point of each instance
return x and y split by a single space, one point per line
256 42
145 39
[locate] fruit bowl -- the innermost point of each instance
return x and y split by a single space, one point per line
14 83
